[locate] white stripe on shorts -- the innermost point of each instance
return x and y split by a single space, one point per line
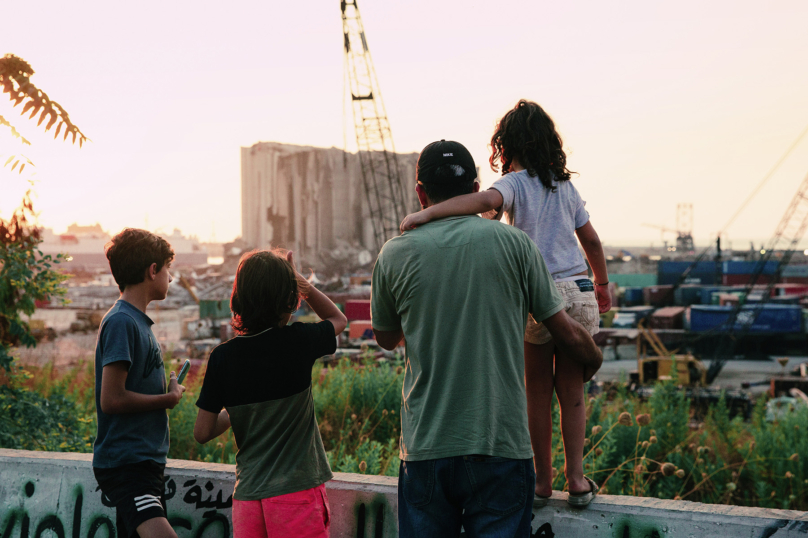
146 498
152 503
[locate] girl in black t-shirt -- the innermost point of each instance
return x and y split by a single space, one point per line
260 384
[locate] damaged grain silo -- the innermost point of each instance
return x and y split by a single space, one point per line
311 200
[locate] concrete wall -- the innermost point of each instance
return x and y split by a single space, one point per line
54 495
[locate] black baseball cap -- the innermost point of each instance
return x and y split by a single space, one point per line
442 153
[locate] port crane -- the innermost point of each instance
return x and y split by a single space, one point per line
684 228
381 176
787 235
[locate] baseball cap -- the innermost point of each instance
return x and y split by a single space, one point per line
442 153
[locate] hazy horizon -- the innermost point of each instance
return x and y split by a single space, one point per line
657 104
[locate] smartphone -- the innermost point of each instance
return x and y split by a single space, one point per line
183 371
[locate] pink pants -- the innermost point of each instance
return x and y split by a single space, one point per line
302 514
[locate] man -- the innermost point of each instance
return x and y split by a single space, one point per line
459 291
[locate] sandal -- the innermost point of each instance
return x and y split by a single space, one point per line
580 500
540 501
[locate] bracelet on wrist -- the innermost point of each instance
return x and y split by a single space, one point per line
604 284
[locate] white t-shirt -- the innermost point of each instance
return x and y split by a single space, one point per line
549 218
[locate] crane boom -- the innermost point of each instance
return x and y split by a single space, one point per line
788 234
378 160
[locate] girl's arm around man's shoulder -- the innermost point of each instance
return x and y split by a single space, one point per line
465 204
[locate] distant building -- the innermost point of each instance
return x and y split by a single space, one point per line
307 199
84 246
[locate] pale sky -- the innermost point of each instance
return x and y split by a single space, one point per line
657 103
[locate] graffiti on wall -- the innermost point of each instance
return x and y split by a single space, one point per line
201 512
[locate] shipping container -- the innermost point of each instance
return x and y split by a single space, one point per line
658 295
704 272
211 309
732 267
744 279
629 317
680 267
770 319
357 309
795 270
671 317
687 294
634 280
707 292
781 290
361 329
701 279
632 296
786 299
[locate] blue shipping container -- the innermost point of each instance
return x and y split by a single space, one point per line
705 279
704 272
749 267
771 318
681 267
687 295
632 296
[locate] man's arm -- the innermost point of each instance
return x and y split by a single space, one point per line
575 341
210 425
115 399
388 339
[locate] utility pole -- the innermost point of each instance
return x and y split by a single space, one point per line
377 155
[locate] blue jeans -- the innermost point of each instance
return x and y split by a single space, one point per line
489 496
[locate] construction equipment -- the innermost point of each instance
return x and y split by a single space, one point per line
684 228
378 160
690 371
788 233
183 282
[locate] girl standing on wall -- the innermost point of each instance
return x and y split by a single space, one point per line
536 196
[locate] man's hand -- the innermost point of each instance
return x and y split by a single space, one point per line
413 220
175 390
589 373
575 341
604 298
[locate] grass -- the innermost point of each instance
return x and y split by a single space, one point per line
648 448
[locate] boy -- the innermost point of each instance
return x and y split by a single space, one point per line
130 450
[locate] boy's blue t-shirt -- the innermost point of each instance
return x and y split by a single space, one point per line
125 335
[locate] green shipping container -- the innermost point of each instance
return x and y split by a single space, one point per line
209 309
634 280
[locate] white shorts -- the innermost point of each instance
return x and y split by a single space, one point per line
582 306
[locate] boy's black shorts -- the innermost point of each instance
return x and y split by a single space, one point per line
137 491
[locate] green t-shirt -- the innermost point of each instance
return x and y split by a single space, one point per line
461 289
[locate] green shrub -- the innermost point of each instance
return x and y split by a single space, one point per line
758 463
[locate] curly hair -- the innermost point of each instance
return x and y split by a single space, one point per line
132 251
265 289
528 135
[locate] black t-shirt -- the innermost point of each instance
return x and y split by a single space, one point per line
270 365
264 382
